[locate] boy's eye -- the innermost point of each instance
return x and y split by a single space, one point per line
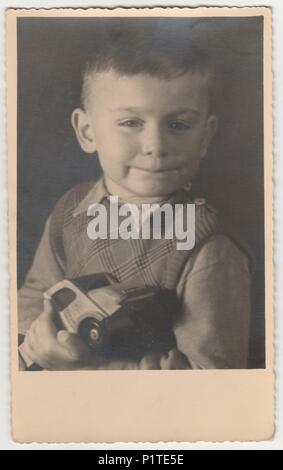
179 126
132 123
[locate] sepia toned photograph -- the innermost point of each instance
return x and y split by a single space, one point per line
152 111
139 202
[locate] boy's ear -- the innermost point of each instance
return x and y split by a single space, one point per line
83 130
210 130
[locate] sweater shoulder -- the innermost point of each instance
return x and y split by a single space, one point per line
71 198
63 214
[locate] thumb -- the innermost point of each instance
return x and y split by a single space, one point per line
74 345
47 307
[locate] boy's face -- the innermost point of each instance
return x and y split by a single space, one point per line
150 133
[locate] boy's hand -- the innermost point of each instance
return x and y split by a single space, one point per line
150 361
54 350
174 360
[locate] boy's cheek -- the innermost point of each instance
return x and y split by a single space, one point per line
117 172
116 158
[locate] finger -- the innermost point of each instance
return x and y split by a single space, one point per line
174 360
47 307
150 361
168 361
178 360
183 361
164 363
46 326
73 344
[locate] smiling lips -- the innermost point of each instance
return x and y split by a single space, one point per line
158 165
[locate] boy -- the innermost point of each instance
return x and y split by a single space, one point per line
147 110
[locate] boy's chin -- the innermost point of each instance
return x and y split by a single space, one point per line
157 184
148 189
146 186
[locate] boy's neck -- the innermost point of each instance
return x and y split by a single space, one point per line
129 197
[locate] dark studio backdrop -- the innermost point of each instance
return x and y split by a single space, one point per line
50 52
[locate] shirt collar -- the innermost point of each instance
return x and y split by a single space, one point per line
96 194
99 192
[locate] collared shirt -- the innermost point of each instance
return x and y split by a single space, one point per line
213 328
140 213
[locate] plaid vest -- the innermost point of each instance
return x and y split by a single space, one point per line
146 262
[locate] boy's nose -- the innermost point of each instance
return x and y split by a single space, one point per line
153 144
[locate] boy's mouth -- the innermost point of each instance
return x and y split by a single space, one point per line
158 171
158 165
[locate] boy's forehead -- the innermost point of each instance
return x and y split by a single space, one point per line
109 87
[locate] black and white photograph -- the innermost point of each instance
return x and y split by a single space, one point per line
140 194
141 283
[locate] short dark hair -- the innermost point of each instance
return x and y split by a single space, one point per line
161 47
